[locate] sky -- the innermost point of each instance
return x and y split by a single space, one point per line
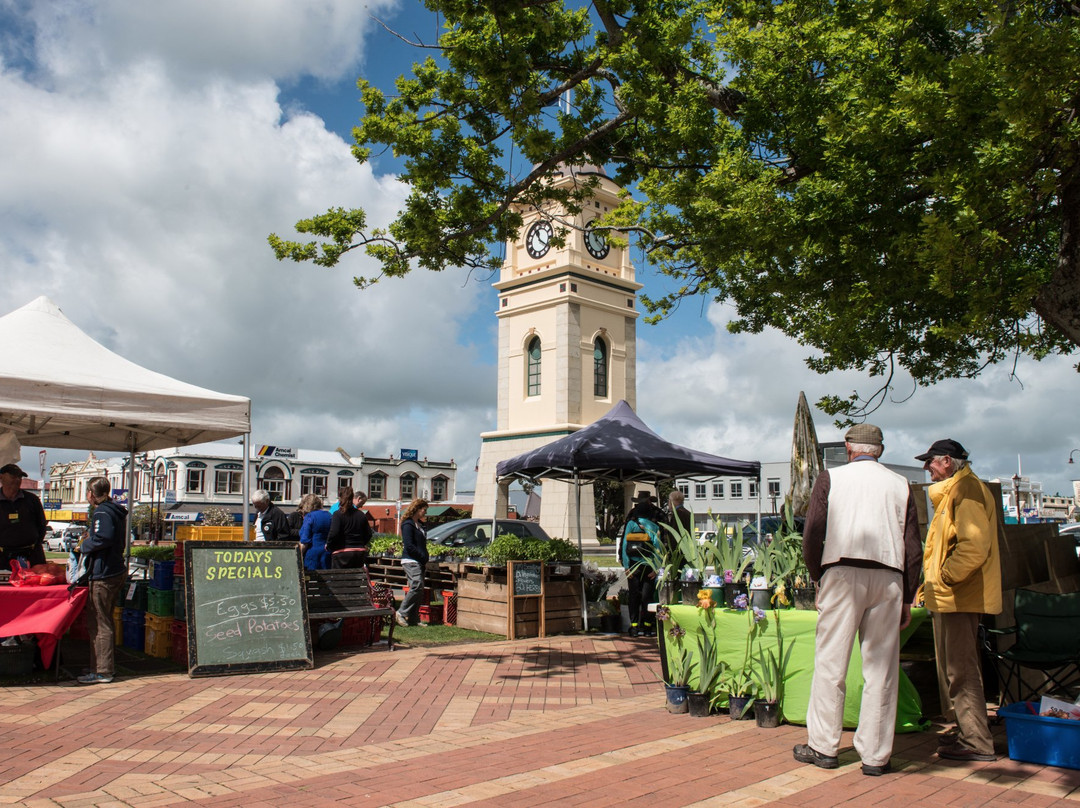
148 149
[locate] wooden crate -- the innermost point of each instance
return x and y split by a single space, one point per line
482 602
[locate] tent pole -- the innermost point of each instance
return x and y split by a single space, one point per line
245 485
131 504
581 552
759 536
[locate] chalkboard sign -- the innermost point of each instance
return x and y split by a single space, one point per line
246 607
527 576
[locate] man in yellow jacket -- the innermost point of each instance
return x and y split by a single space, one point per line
962 582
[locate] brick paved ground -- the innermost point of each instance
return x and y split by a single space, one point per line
564 721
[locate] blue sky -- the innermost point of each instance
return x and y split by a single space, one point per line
147 149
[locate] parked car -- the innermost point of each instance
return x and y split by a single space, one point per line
1071 529
477 532
54 541
72 536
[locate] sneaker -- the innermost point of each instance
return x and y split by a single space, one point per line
401 619
960 752
94 679
876 771
804 754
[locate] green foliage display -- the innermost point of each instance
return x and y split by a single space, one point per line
514 548
159 552
893 185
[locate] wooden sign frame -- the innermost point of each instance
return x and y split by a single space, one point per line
522 575
230 601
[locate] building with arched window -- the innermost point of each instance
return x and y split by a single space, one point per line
184 481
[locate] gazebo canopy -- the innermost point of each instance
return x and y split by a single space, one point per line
62 389
620 446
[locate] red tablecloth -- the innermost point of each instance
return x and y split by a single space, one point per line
47 611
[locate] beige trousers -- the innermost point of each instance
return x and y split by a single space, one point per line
850 601
956 646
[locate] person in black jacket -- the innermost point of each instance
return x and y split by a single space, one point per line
22 520
414 558
350 533
104 544
271 523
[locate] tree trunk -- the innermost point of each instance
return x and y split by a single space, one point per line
1058 302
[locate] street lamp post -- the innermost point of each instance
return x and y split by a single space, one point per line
1016 496
159 490
1074 451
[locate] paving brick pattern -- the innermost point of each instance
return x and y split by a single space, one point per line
574 721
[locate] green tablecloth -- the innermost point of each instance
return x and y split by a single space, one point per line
798 627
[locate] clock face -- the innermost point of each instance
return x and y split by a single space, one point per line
595 243
538 239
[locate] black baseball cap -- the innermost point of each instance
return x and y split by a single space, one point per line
11 468
944 448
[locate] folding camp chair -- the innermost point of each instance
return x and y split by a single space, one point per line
1047 632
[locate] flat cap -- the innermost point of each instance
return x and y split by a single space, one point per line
864 433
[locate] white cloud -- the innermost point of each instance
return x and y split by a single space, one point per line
79 41
141 205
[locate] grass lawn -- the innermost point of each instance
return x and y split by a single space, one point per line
426 636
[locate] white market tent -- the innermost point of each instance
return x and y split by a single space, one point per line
61 389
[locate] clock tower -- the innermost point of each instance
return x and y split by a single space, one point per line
567 344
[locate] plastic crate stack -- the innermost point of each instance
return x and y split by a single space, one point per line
133 617
179 592
159 610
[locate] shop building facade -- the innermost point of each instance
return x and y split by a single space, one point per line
184 481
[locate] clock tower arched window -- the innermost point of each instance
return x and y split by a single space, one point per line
533 367
600 368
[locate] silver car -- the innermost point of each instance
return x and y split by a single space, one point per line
477 532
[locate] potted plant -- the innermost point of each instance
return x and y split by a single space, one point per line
730 557
769 676
611 617
710 670
739 683
680 667
772 565
696 556
665 563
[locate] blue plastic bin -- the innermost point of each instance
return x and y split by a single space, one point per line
1040 739
161 574
134 628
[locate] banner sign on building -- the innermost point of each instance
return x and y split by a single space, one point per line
410 454
276 451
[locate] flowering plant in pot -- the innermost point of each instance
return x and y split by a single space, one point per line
772 563
680 665
769 676
739 683
730 558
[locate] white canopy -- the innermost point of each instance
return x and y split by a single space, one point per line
60 388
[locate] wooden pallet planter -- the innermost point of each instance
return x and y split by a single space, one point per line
482 594
387 570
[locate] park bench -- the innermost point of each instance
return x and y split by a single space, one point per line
336 594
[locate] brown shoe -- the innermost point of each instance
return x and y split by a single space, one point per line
806 754
960 752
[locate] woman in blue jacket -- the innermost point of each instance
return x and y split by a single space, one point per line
313 533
